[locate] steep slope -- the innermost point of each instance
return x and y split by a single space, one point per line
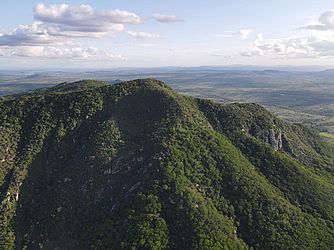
137 166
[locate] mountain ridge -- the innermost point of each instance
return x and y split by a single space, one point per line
137 166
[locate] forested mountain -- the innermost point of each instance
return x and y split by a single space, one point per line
134 165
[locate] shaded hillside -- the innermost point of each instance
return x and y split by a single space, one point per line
137 166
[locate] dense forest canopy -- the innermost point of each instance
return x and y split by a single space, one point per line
134 165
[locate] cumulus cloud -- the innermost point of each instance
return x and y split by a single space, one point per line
309 46
244 33
83 15
317 42
325 22
142 35
56 28
28 35
167 18
83 20
54 22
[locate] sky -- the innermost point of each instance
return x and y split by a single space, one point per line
144 33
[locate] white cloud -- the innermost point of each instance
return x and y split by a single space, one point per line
324 22
142 35
167 18
242 34
57 30
315 45
83 20
57 52
58 21
93 32
259 37
26 35
83 15
317 42
54 32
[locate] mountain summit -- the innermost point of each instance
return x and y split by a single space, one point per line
135 165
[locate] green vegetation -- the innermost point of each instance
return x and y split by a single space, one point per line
328 137
135 165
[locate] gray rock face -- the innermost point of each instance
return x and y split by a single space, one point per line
275 139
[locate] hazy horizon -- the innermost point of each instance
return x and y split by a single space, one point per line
101 34
232 67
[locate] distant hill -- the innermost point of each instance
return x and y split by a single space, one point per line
135 165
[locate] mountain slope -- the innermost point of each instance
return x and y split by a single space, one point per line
137 166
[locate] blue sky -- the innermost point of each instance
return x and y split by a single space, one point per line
146 33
